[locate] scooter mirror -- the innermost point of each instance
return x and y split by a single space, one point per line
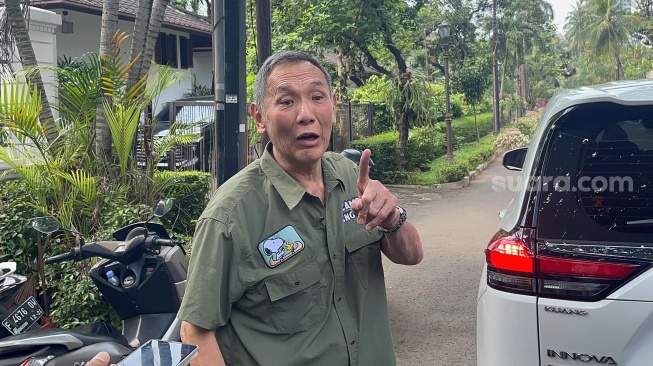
45 224
162 207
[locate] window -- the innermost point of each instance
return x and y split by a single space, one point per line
597 184
166 50
185 52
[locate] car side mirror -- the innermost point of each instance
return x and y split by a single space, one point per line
514 159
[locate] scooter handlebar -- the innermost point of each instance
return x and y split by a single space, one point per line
165 242
61 257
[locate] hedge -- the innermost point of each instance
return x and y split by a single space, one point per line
424 145
466 159
191 192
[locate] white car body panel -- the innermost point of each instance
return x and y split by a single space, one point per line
506 329
612 333
639 288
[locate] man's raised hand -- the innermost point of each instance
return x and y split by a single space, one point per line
375 204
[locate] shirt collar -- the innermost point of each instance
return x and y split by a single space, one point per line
289 190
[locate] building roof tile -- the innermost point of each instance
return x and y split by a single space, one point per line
175 17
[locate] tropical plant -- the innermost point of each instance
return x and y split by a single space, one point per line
407 95
602 27
71 182
473 81
14 26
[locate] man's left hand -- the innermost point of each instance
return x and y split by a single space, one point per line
375 205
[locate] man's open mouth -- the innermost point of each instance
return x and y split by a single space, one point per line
308 136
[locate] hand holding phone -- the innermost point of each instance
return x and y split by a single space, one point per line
161 353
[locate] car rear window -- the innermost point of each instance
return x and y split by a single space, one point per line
597 177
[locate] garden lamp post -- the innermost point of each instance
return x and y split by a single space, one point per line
444 30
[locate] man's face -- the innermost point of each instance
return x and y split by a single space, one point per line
298 114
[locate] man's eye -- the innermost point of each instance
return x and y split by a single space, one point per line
285 102
318 97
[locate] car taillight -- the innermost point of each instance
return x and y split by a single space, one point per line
513 266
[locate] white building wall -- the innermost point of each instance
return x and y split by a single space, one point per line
86 38
203 62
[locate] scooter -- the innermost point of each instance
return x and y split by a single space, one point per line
10 310
142 275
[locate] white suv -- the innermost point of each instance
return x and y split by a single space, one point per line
568 278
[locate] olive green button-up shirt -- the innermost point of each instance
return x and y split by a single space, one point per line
284 279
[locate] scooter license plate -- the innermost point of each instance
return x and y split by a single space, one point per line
23 317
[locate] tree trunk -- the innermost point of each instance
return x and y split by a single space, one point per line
108 30
503 73
619 65
341 92
156 19
138 39
478 133
402 141
28 59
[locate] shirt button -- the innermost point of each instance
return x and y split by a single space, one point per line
352 343
296 283
334 256
338 299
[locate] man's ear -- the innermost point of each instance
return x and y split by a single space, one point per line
256 113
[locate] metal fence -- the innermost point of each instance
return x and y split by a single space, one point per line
353 122
201 154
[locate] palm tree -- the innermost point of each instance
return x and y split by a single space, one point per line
146 31
107 32
575 27
602 26
16 22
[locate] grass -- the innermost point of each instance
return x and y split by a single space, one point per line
436 173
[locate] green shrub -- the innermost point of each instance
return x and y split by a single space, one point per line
467 158
424 145
466 161
526 124
17 238
191 192
464 129
75 298
383 147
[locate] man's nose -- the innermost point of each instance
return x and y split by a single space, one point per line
306 114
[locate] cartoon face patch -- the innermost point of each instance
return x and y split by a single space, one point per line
281 246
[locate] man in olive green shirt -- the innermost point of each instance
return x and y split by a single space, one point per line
286 259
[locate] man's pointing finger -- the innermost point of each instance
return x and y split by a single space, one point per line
363 172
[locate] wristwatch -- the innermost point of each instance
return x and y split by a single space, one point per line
402 218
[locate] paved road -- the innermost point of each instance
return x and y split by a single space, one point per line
433 304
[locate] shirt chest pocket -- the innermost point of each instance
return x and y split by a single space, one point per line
363 252
296 299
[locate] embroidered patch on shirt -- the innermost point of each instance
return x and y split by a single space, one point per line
347 213
281 246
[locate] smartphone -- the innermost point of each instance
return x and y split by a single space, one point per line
161 353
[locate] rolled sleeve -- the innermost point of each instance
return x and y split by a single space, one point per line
214 282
